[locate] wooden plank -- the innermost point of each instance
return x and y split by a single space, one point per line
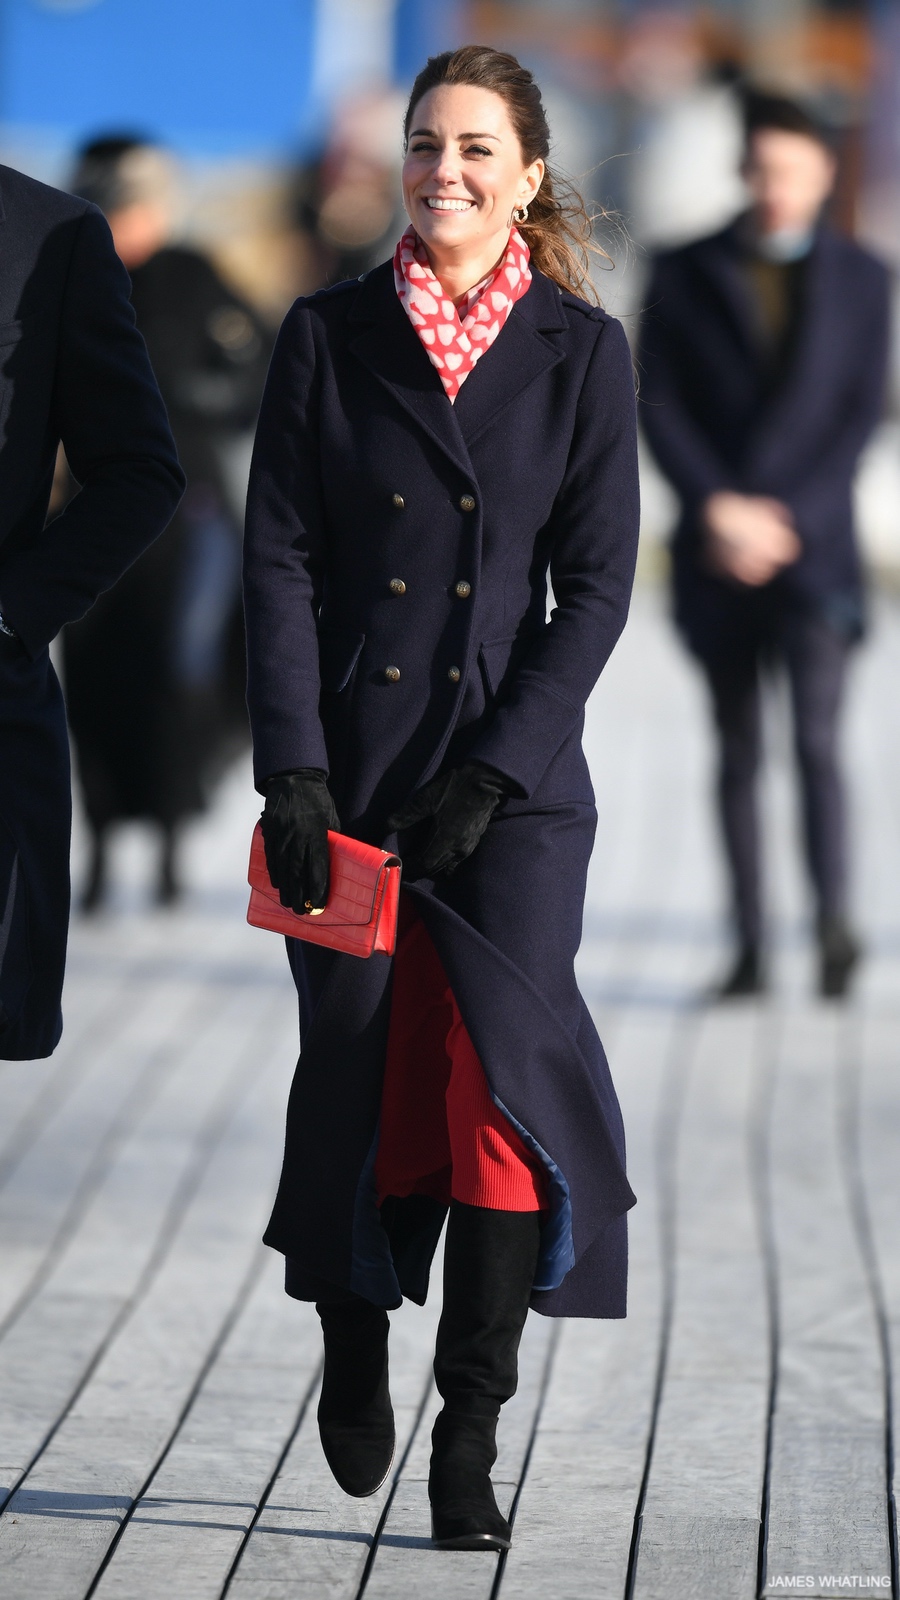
186 1531
159 1349
49 1191
121 1252
312 1542
700 1527
827 1516
872 1132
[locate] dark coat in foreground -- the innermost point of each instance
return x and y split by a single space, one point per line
718 417
388 529
155 707
72 368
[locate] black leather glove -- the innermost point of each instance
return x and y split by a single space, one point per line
461 803
298 814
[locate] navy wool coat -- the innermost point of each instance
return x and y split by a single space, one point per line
388 529
716 420
72 368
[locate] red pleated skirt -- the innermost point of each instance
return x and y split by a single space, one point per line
441 1133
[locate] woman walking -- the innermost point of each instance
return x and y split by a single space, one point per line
435 439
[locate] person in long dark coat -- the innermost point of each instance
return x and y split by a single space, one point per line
403 677
762 362
155 705
72 368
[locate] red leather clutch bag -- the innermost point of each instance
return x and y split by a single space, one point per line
363 899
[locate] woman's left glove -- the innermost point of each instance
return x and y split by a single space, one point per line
461 803
298 814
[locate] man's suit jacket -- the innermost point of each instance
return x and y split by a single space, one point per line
715 420
72 368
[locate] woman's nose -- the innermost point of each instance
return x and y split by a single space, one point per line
446 167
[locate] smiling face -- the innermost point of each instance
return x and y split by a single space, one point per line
464 174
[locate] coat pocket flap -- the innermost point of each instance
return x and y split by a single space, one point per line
339 650
495 660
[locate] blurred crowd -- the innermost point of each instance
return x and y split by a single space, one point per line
652 128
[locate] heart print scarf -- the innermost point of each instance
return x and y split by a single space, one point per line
455 338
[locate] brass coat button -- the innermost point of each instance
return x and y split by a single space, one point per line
392 674
467 503
398 502
454 674
463 589
397 586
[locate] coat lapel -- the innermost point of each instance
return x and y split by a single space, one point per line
518 356
718 259
820 304
388 345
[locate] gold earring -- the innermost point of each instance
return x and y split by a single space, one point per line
520 215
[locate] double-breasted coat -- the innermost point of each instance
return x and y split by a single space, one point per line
73 368
396 566
719 416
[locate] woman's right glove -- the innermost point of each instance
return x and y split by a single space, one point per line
298 813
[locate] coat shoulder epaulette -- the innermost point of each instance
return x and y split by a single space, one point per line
574 302
332 289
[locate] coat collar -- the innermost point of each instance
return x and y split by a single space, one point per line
719 258
388 345
820 310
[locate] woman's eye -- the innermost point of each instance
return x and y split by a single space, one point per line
420 149
477 150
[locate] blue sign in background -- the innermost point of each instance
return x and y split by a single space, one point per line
215 77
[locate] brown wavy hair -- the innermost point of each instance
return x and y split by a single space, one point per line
559 230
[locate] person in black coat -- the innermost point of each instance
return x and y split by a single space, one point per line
763 357
404 678
72 368
154 677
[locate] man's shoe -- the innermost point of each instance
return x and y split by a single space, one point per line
747 976
839 954
356 1420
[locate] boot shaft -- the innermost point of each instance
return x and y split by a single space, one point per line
490 1260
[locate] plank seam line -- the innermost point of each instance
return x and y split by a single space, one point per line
140 1097
147 1086
849 1136
759 1133
272 1480
668 1127
248 1283
382 1520
207 1140
546 1376
65 1079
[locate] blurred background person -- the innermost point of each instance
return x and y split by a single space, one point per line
154 675
763 361
349 198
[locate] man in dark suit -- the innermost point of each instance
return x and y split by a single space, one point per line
73 369
763 362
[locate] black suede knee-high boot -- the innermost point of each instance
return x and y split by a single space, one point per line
489 1266
356 1420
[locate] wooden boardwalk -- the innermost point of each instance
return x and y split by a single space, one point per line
733 1437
